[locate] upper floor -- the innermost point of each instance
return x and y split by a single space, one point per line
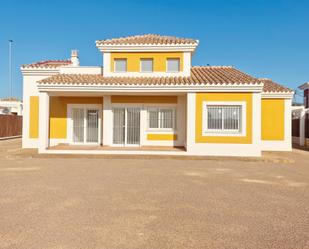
147 55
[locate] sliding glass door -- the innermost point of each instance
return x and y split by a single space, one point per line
85 125
126 126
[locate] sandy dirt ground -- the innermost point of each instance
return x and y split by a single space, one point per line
70 202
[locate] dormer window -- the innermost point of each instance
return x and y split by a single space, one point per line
146 65
120 65
173 65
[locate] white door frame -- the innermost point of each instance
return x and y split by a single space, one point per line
126 106
70 122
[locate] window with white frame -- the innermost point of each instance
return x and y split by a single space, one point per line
223 118
146 65
161 118
173 65
120 65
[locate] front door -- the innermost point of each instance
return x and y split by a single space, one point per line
126 126
85 125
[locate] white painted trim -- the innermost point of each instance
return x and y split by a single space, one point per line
273 145
256 120
277 95
147 47
148 88
242 150
191 119
186 63
228 133
146 74
43 121
56 141
166 65
120 72
107 120
155 130
30 71
150 73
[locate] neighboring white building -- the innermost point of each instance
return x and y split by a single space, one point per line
11 106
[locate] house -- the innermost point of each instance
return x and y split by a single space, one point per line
11 106
300 122
148 99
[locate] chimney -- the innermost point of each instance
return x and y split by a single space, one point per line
74 58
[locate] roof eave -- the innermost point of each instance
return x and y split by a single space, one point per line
146 47
304 86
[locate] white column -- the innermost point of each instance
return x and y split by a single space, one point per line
187 63
143 126
256 121
191 113
288 123
302 124
43 121
107 64
107 121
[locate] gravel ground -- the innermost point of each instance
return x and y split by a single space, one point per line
61 202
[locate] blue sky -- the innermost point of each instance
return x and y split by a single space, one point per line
263 38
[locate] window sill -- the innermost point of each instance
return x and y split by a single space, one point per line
224 134
159 130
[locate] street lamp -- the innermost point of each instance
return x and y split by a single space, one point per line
10 68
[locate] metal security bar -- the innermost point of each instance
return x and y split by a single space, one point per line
126 128
78 125
133 126
119 126
224 118
161 118
92 126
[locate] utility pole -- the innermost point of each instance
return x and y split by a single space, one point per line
10 68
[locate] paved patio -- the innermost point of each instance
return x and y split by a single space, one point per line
152 202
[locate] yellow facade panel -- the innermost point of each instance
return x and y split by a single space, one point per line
161 137
58 113
272 119
159 60
144 99
221 97
34 117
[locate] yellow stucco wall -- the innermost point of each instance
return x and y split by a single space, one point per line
34 117
272 119
58 113
161 137
159 60
144 99
201 97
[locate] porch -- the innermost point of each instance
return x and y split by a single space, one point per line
86 123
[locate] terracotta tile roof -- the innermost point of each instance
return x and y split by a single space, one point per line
210 75
270 86
48 64
216 75
147 39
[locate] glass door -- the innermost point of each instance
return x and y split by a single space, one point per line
78 125
119 126
85 125
126 126
92 126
